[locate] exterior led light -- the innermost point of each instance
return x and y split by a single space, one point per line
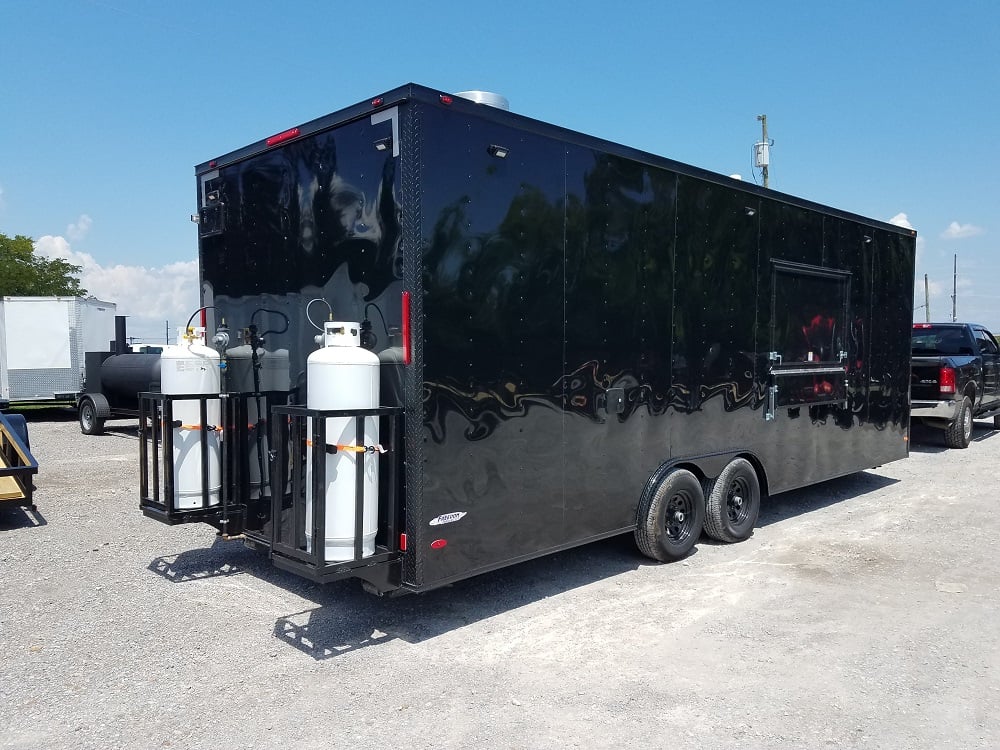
383 144
499 152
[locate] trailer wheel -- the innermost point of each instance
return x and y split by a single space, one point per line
732 502
90 423
670 516
959 433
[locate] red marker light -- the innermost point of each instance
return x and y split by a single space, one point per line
921 325
407 348
445 99
213 164
274 140
377 101
402 542
439 543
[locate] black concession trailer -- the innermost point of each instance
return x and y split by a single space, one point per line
575 340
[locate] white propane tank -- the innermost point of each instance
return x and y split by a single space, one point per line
342 375
191 367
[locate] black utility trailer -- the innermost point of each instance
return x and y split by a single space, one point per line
578 339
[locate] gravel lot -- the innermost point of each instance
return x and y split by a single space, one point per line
862 613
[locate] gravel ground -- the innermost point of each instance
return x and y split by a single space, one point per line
861 614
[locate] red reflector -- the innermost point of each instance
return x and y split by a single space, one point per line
921 325
274 140
445 99
439 543
377 101
407 349
946 380
402 542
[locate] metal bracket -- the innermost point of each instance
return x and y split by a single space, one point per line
774 357
772 399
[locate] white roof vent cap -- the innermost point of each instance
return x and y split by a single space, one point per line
486 97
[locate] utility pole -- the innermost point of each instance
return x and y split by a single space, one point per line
954 290
762 149
927 300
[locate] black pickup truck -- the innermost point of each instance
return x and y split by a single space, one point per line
955 378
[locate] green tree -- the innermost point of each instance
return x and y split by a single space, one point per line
25 274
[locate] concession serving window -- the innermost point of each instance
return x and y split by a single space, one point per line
809 321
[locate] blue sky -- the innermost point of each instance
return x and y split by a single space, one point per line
887 109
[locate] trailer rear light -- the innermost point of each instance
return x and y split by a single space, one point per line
922 325
402 542
445 99
377 101
287 135
407 348
946 380
439 543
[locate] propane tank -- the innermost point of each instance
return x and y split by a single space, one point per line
392 359
191 367
239 379
342 375
272 377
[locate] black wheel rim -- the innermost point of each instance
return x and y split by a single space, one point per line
679 517
738 501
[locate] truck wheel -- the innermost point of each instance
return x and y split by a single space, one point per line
90 423
670 516
959 433
732 502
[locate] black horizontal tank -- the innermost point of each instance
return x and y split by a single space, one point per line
124 376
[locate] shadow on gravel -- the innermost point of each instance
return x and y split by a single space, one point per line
924 439
822 495
347 619
19 517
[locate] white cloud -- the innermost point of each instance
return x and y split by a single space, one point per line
149 296
901 220
956 231
78 231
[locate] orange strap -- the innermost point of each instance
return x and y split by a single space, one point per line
196 427
332 448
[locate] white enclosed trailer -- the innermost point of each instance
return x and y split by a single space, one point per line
43 341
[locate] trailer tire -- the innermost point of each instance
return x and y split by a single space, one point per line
670 516
732 502
90 422
958 434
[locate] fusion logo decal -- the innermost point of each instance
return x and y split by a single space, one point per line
447 518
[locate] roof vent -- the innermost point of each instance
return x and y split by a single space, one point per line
486 97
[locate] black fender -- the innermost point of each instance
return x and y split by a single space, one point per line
101 405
